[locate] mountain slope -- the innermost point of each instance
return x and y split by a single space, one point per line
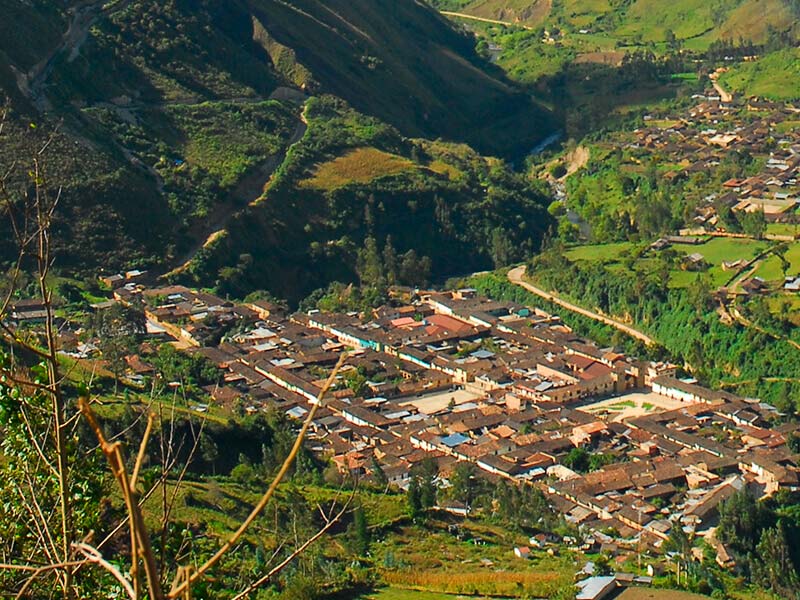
175 114
648 20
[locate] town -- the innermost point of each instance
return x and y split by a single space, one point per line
621 447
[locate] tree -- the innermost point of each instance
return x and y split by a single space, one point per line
359 534
414 498
502 248
464 483
754 223
775 568
370 265
577 459
780 252
119 330
390 261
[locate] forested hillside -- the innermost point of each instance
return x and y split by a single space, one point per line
356 200
173 116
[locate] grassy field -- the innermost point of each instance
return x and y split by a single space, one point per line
635 593
715 251
430 559
391 593
360 165
783 229
775 76
599 252
771 268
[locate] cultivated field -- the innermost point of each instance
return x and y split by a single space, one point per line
360 165
635 593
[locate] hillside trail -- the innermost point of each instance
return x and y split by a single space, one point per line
248 193
448 13
516 276
32 84
736 314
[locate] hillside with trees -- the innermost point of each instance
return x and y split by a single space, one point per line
163 120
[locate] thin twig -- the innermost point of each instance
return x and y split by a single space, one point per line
93 555
330 522
270 491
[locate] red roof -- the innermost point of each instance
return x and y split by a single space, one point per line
450 324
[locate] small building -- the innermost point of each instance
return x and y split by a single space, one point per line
522 552
694 262
596 588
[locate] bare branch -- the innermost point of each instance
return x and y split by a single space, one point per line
93 555
142 450
113 452
329 522
270 491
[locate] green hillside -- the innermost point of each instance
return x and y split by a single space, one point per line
174 115
436 208
775 76
695 22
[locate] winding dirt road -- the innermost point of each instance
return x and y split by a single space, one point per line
248 193
448 13
516 276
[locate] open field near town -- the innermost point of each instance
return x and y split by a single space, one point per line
632 405
393 593
432 403
635 593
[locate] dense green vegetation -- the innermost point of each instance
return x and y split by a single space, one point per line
682 320
448 210
763 537
775 76
169 105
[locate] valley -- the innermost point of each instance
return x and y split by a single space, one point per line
382 299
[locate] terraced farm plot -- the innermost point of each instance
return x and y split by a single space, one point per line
360 165
636 593
402 594
715 251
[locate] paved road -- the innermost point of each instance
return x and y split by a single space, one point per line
516 276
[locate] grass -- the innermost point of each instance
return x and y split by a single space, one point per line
635 593
715 251
775 76
599 252
783 229
771 268
430 559
360 165
721 249
393 593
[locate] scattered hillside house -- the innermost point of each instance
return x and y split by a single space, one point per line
754 286
732 265
522 552
28 310
792 284
694 262
113 281
596 588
